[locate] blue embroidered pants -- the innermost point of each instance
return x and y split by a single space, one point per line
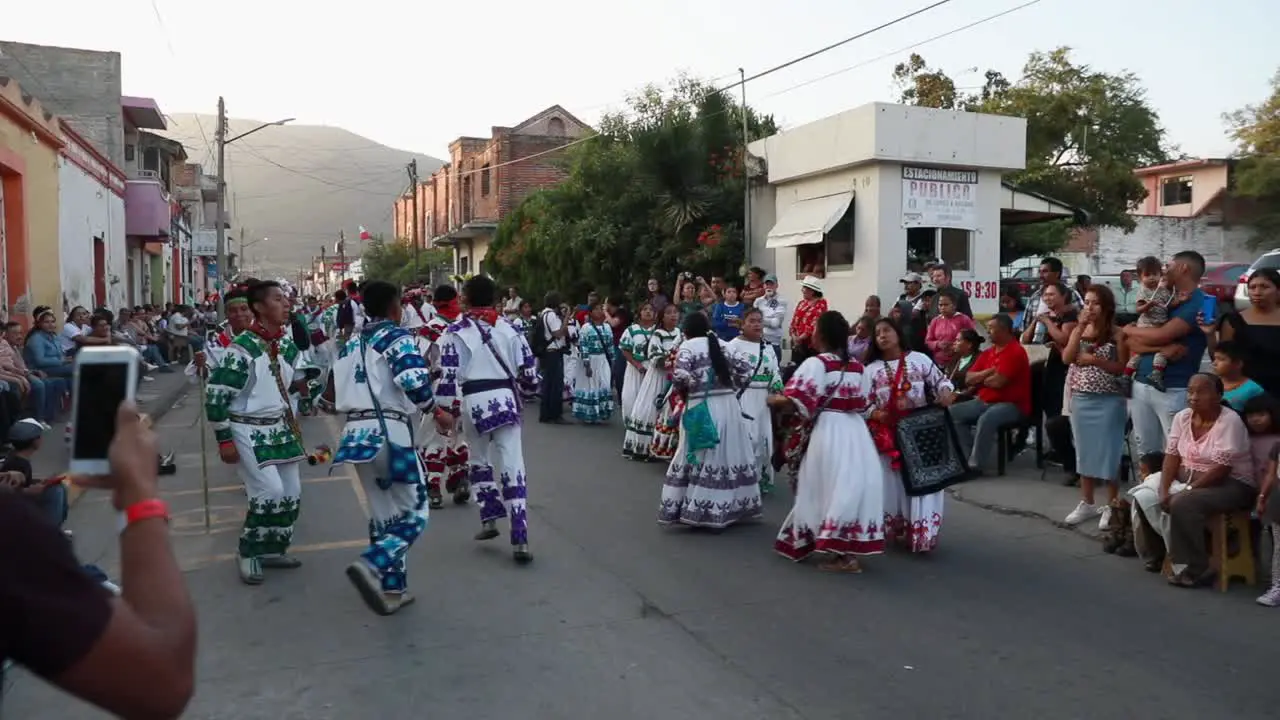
397 516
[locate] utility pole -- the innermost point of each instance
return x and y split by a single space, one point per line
746 172
324 272
342 257
220 280
413 188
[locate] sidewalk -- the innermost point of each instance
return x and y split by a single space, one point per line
154 398
1021 491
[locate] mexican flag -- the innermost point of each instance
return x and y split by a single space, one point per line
365 234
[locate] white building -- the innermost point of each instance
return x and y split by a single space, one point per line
861 197
91 226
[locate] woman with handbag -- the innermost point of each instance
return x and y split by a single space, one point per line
839 496
902 381
713 479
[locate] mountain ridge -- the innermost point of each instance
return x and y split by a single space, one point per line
299 185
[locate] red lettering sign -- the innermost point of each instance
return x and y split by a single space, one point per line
981 289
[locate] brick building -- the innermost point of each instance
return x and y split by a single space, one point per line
461 204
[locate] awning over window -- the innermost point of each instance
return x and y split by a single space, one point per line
805 222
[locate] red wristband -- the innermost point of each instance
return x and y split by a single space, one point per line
146 510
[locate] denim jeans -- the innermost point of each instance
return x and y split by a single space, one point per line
1152 413
977 425
46 397
151 354
53 503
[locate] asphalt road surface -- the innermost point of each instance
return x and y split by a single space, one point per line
618 618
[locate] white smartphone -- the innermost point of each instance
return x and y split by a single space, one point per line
105 377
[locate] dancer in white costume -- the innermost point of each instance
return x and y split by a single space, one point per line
380 381
485 363
252 415
902 381
839 492
752 351
444 454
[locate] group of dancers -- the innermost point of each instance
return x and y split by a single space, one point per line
431 395
715 411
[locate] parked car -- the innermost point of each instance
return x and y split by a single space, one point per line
1220 280
1023 280
1269 259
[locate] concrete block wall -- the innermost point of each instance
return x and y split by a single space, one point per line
81 86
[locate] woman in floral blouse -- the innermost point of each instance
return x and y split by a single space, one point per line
634 346
806 317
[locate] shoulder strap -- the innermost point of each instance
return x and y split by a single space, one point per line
373 397
487 339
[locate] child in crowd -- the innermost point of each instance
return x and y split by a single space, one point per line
1262 415
1228 364
1155 300
860 340
946 327
726 315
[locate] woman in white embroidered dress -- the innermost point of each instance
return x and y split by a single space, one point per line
634 346
751 350
839 498
570 359
593 387
643 414
717 485
902 381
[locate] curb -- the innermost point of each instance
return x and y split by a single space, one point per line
165 403
1018 512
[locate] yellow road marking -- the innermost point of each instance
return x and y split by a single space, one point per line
347 472
240 488
204 562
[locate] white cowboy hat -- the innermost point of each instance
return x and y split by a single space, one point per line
812 282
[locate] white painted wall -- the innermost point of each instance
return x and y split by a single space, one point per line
863 150
1164 236
88 210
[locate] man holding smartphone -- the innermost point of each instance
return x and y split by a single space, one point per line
132 656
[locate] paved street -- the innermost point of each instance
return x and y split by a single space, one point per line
618 618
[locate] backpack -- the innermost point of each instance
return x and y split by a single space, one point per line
538 337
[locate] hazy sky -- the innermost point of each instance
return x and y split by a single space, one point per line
416 74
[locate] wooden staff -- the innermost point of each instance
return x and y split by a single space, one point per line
204 459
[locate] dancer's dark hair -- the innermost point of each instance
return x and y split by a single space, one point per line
698 325
257 292
444 293
480 291
379 297
834 331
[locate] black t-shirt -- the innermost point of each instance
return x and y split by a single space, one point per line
51 612
16 463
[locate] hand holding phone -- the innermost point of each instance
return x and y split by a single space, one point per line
104 379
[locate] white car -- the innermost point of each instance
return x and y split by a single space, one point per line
1269 259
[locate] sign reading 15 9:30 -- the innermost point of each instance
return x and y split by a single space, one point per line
981 289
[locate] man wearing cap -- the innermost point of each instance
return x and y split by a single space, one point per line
51 496
912 304
773 311
940 274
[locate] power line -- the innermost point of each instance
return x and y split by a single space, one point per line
155 8
286 168
757 76
912 46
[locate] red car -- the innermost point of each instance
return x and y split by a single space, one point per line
1220 280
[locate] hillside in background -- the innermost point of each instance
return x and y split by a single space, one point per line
299 184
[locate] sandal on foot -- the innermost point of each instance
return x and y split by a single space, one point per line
842 565
1184 579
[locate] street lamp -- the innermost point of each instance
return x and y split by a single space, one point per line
223 141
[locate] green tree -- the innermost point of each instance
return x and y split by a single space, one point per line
1086 132
657 191
394 261
1256 130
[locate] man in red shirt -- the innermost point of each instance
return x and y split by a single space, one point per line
1001 379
